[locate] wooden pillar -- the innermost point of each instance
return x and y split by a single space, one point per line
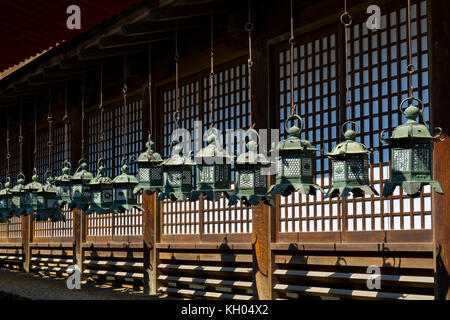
439 44
27 238
151 236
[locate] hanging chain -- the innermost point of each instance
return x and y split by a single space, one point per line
291 42
211 74
66 126
8 154
83 91
150 125
249 29
102 109
177 96
125 122
20 138
50 136
346 20
410 67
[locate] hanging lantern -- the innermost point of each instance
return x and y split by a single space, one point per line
101 188
21 199
350 167
31 200
150 170
177 175
295 163
81 195
48 206
63 185
213 171
124 184
251 182
6 202
411 154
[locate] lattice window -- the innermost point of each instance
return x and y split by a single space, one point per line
128 223
47 228
231 111
377 62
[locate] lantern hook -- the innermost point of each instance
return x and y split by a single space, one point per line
382 139
292 117
441 136
349 121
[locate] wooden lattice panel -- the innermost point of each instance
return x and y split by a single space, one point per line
129 223
44 229
231 111
377 73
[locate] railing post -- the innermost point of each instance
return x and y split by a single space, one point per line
27 238
439 44
151 235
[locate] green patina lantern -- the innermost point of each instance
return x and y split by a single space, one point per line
124 197
6 202
81 195
177 172
251 181
350 167
150 170
31 199
63 185
101 188
295 163
411 154
21 202
48 206
213 171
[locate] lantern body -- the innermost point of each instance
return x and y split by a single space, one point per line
124 197
48 206
21 200
101 188
251 181
350 168
81 195
213 171
411 156
150 170
295 165
177 172
63 185
6 202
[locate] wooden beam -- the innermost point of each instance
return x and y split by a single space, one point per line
150 27
439 44
93 53
182 12
116 41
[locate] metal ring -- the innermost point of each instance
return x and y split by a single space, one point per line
410 68
349 121
382 140
411 99
441 132
251 130
249 27
99 161
68 164
291 40
8 156
20 175
47 174
294 116
345 15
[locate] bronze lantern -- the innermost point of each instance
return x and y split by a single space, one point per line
124 184
411 154
101 188
150 170
48 206
295 163
213 171
80 192
63 185
251 181
350 167
6 202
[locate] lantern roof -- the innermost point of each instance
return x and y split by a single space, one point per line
349 146
7 189
213 149
252 156
34 184
177 159
65 177
412 129
48 187
82 173
150 155
125 176
100 178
